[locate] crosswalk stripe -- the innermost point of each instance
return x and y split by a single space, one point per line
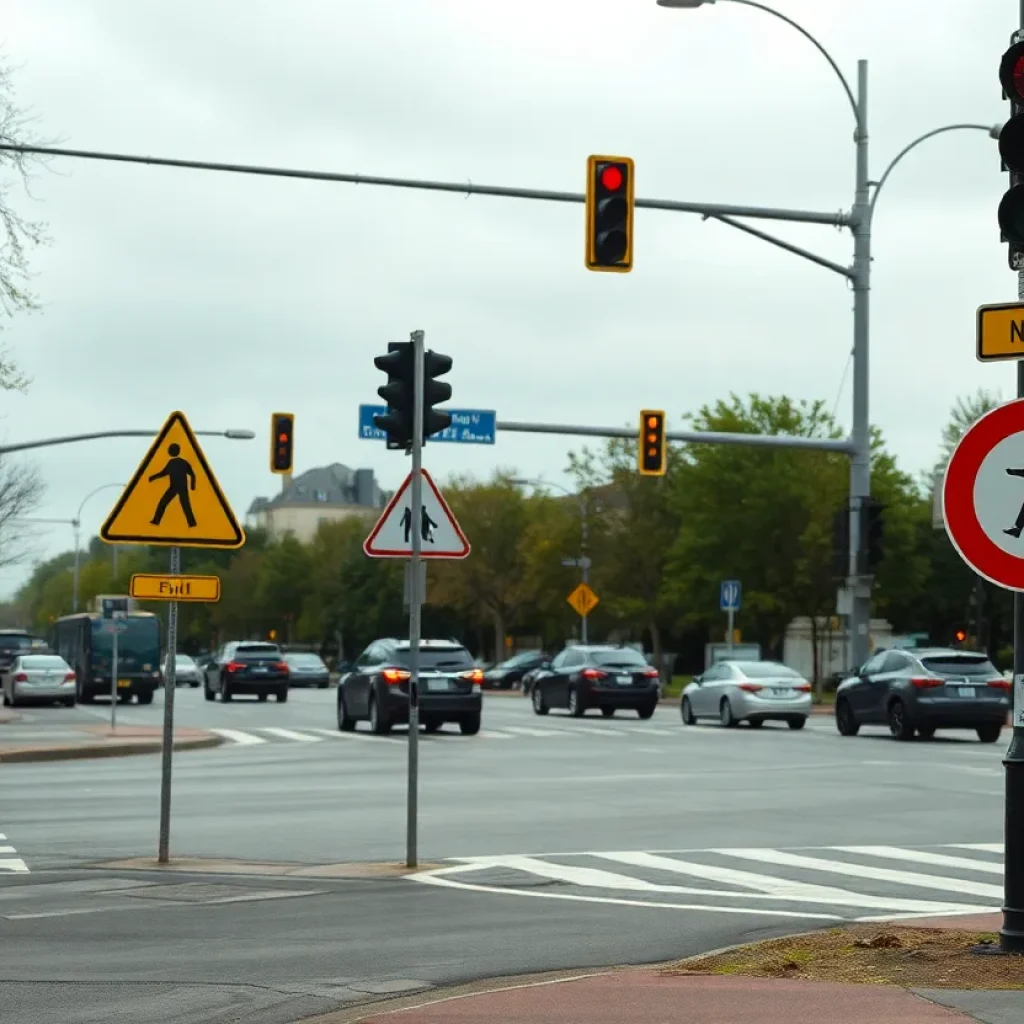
981 847
7 849
796 860
942 860
291 734
361 737
521 730
595 730
493 734
13 864
237 736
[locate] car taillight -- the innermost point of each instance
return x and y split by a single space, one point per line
475 675
69 677
394 675
803 688
651 673
281 666
999 683
926 682
593 673
235 666
751 687
20 677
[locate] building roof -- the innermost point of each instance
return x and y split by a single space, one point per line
335 486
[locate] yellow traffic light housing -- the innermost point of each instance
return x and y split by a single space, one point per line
282 442
652 459
610 198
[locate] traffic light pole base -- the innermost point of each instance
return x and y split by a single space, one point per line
1011 935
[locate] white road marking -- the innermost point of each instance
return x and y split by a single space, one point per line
796 860
337 734
237 736
493 734
15 864
982 847
521 730
595 730
942 860
291 734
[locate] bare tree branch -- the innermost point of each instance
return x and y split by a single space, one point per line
21 491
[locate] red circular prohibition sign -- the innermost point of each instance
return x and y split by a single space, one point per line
962 525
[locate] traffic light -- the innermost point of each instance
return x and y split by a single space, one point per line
282 442
398 393
960 636
609 214
1011 151
873 533
434 391
652 454
841 541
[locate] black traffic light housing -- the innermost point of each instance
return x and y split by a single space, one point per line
841 541
872 527
398 393
1011 151
652 456
282 442
610 198
435 391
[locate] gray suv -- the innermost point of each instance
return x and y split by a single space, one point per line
919 690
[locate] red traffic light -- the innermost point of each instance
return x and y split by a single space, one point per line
612 178
961 635
1011 72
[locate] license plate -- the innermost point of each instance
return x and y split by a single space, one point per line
435 685
624 680
123 684
965 691
783 693
259 668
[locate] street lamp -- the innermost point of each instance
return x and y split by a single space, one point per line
76 525
584 560
858 591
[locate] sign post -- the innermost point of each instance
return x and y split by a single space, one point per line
173 500
729 602
584 601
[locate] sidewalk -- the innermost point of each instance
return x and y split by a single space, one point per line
663 994
23 742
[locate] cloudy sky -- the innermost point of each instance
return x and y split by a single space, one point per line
230 297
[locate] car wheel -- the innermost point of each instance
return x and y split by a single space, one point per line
225 693
323 685
7 700
845 722
796 722
282 695
208 693
69 702
899 727
539 704
261 697
608 712
575 704
379 725
686 711
146 697
345 723
432 725
469 725
195 686
757 723
725 715
989 733
647 710
926 732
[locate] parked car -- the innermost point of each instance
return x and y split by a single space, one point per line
377 688
599 676
186 671
747 691
920 690
307 670
507 674
247 666
39 677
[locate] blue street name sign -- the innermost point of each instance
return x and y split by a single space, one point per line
730 595
469 426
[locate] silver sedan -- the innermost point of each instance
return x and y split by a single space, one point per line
748 691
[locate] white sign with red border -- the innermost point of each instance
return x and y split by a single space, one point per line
983 496
440 534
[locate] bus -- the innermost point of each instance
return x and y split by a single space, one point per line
85 642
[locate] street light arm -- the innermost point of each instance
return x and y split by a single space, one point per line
992 130
816 44
5 449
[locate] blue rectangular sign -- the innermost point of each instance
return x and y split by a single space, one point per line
469 426
730 595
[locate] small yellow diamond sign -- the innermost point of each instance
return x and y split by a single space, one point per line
583 600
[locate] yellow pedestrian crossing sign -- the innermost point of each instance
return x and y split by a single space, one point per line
174 500
583 600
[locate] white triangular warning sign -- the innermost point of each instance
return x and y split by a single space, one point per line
174 500
440 534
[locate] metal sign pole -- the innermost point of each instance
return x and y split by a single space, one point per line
167 747
731 613
415 598
115 625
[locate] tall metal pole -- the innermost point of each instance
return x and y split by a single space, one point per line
74 597
731 613
115 625
167 746
415 599
860 465
584 561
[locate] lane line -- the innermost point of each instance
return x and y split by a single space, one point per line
942 860
359 737
239 737
982 847
291 734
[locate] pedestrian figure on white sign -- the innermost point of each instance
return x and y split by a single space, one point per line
427 525
1018 526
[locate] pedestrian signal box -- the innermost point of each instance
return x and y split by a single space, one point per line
282 442
652 454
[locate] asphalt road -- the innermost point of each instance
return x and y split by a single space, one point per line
561 843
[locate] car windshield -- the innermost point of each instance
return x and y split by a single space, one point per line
621 657
960 665
766 670
15 642
137 641
519 660
35 662
257 651
438 657
182 661
304 660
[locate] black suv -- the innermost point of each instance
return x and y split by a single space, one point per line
246 666
377 688
598 676
13 644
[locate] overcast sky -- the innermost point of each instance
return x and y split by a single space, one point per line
230 297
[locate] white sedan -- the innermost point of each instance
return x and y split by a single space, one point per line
748 691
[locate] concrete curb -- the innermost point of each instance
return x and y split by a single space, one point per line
91 751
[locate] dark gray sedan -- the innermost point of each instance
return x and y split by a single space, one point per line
916 692
307 670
